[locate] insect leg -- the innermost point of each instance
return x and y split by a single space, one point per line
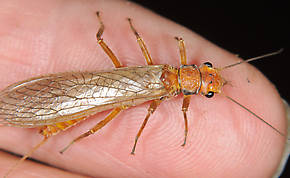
152 108
141 44
105 47
97 127
26 156
181 50
185 105
186 98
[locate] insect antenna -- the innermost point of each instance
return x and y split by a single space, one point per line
253 59
234 101
25 156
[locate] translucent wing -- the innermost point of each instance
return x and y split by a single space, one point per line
60 97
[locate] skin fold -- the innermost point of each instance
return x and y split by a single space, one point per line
40 37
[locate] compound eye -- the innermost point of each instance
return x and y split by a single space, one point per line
209 94
208 64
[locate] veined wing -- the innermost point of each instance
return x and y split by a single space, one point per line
64 96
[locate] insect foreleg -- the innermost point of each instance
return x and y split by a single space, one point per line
185 105
186 98
181 50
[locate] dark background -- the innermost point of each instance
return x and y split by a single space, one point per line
240 27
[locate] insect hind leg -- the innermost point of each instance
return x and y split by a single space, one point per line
25 156
105 47
97 127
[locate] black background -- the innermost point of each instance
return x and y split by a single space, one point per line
240 27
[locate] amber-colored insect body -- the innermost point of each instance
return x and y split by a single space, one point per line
56 102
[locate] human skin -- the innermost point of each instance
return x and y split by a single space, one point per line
40 37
